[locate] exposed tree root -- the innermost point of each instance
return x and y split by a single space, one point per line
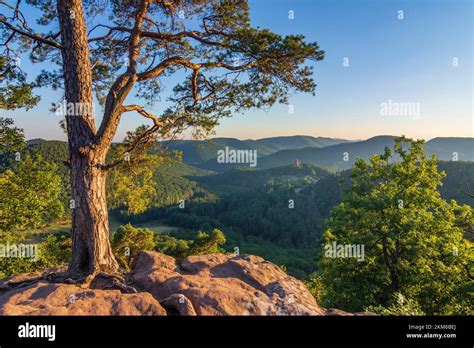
96 280
107 281
8 286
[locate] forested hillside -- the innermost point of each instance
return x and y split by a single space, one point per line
198 152
252 206
281 213
343 156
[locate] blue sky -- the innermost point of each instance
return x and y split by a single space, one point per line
405 61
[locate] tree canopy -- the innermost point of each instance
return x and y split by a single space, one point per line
414 242
228 65
30 187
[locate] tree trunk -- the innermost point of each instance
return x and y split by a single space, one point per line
91 249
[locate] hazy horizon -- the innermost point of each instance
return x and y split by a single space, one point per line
281 136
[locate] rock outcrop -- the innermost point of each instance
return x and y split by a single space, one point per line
219 284
64 299
214 284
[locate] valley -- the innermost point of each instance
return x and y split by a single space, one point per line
252 205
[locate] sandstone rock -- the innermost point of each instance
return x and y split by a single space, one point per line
219 284
214 284
62 299
24 278
179 305
338 312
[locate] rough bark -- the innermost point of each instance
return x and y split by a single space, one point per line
90 227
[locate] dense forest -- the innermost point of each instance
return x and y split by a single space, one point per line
383 225
279 213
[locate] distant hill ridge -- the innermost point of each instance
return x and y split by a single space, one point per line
343 156
285 150
197 152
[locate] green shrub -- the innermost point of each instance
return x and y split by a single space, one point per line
400 306
171 246
128 241
204 243
10 266
54 251
207 244
315 286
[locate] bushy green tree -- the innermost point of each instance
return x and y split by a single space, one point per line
399 306
132 191
207 243
413 239
204 243
29 195
12 142
30 191
15 92
131 185
172 246
53 251
128 241
30 188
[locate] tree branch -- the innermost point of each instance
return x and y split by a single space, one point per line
141 111
123 84
32 36
132 147
177 60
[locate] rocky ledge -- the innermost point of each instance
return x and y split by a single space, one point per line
214 284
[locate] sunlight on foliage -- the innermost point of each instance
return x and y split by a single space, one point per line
414 241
